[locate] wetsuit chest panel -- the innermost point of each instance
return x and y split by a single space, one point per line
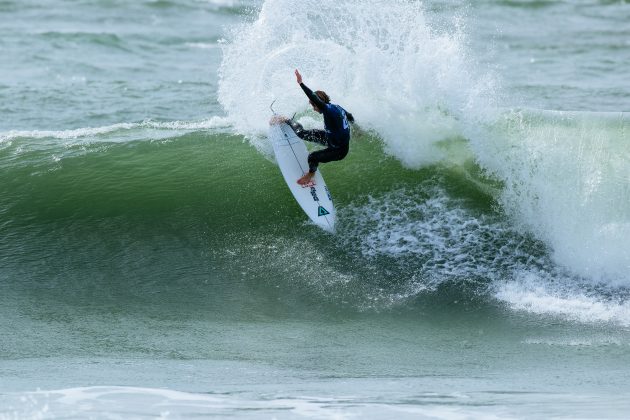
336 126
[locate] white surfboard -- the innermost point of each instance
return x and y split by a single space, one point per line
292 155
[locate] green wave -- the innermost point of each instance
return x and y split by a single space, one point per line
217 173
205 205
145 215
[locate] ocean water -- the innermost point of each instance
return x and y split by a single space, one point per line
154 265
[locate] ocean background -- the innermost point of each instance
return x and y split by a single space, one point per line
153 263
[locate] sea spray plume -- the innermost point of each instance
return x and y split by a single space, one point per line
565 179
402 78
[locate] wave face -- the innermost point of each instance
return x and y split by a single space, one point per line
192 196
459 198
560 177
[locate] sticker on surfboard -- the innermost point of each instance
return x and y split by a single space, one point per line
322 211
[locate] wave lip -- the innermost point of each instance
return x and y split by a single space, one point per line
214 122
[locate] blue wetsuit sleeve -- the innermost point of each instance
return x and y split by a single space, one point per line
313 98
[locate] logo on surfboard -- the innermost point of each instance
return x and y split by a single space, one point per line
322 211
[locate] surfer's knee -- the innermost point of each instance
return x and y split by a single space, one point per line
337 154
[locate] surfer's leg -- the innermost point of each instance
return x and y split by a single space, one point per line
315 136
325 155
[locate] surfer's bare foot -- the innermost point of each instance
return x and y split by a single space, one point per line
306 179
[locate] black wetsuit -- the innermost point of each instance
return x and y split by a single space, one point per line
336 133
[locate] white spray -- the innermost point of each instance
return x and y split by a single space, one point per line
380 59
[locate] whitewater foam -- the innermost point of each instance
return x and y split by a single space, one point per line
566 179
543 294
438 236
433 238
575 342
214 122
165 403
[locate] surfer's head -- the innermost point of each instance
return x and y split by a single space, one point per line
323 96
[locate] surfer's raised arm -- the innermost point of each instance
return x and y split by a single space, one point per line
316 101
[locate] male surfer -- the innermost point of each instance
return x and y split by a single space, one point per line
335 136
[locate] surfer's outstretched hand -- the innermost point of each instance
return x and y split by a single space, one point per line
298 76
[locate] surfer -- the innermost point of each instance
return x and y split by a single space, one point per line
335 136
